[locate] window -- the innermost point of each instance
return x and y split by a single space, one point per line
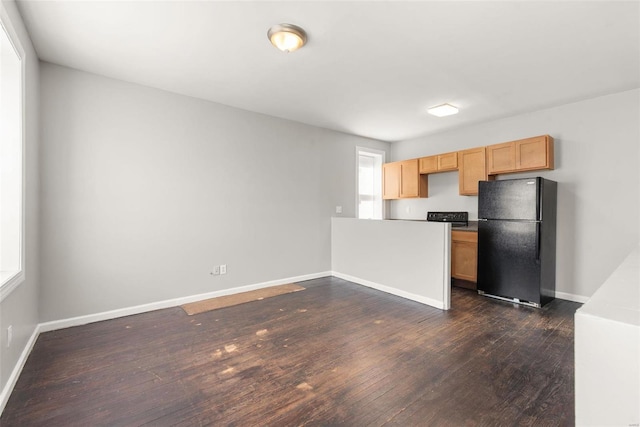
369 183
11 160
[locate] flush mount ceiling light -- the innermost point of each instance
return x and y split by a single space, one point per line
443 110
287 37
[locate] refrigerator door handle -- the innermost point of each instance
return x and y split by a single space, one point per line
538 241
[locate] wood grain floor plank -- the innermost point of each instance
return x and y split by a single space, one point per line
335 354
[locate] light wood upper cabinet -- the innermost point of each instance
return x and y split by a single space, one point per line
535 153
471 170
464 255
428 164
408 178
448 162
526 154
391 180
402 180
501 158
440 163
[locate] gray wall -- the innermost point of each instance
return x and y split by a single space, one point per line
144 191
20 308
596 147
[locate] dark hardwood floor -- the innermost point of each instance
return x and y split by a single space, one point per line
334 354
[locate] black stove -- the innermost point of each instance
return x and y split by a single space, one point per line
457 219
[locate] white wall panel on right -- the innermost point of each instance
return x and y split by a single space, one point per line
607 350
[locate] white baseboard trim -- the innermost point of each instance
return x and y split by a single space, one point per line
571 297
128 311
393 291
17 369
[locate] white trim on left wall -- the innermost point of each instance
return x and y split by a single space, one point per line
20 272
128 311
17 370
122 312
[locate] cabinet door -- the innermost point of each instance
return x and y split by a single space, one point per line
409 178
501 158
534 153
464 256
439 163
448 162
391 180
428 164
471 170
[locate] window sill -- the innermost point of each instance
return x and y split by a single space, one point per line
10 281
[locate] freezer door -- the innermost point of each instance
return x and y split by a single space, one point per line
509 259
510 199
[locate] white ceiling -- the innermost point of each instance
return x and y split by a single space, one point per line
370 68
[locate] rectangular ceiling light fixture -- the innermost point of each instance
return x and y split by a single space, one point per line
443 110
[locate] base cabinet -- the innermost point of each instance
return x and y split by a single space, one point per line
464 255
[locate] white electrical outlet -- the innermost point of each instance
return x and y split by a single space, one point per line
9 335
338 209
223 269
216 270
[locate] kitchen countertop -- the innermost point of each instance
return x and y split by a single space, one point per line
472 227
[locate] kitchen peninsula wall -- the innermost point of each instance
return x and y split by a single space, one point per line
593 187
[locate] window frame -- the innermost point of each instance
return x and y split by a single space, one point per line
12 283
382 155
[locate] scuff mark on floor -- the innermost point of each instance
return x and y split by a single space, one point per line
230 348
304 386
155 375
262 332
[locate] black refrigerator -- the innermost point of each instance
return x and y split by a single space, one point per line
517 240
